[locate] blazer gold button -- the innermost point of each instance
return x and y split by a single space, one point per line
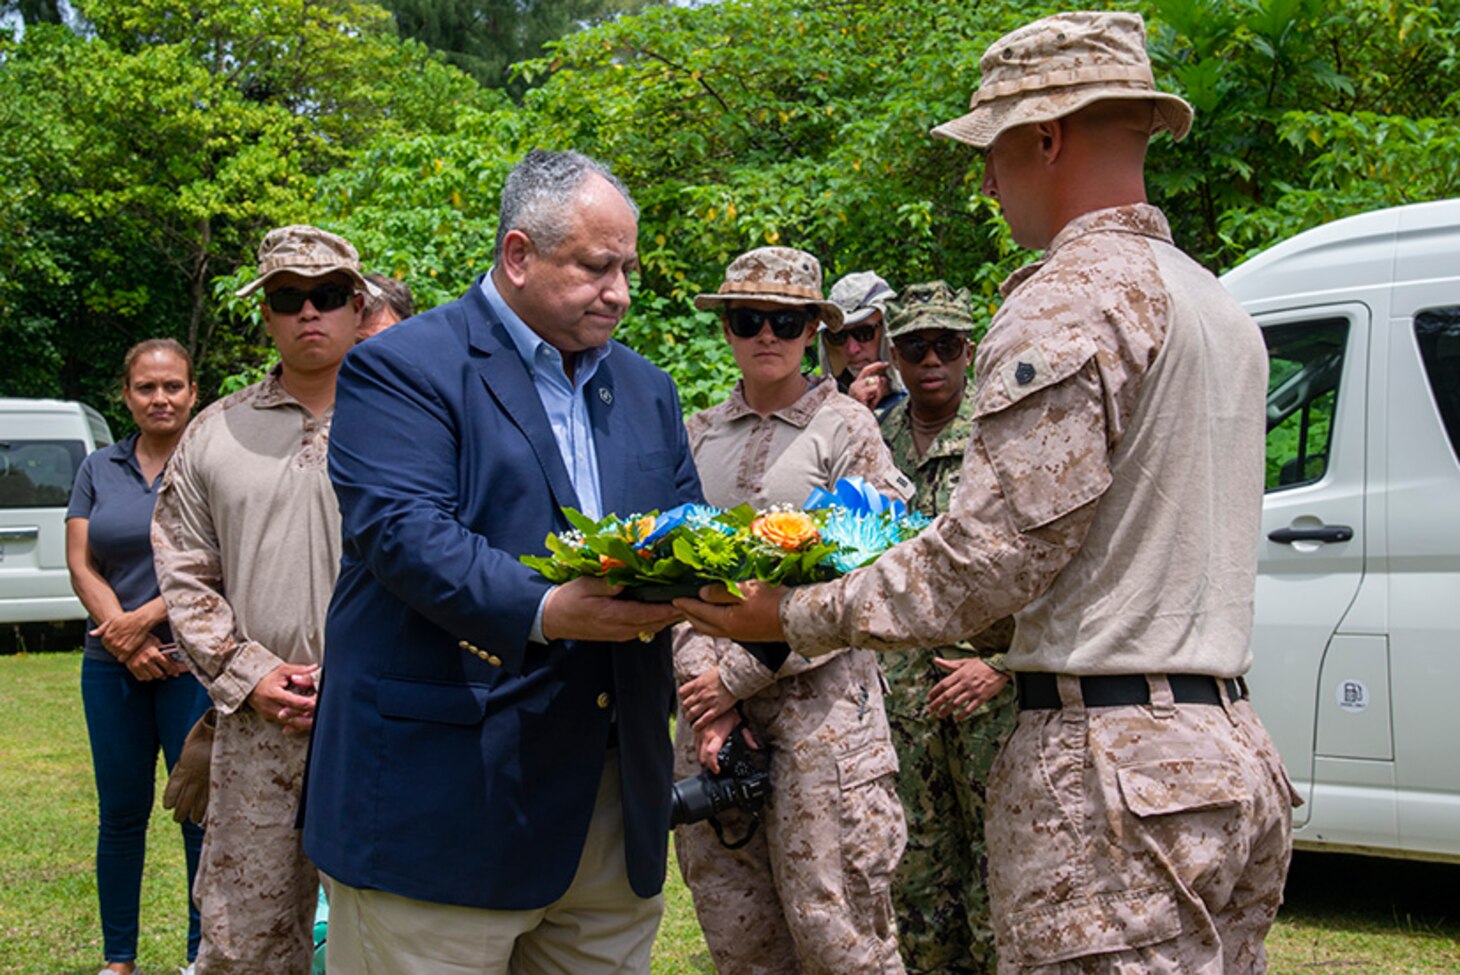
603 700
493 659
464 645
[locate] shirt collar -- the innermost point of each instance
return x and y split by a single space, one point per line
798 414
1141 219
530 346
125 451
271 393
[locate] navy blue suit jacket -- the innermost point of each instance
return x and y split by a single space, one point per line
436 774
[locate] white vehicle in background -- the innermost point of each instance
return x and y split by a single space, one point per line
42 444
1356 645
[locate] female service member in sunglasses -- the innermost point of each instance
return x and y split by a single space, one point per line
810 891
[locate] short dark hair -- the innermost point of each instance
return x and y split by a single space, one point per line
538 192
393 294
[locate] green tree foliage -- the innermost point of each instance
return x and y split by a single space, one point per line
484 38
736 124
142 157
1307 110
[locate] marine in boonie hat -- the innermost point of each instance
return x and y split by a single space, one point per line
308 252
1058 65
861 294
932 305
780 275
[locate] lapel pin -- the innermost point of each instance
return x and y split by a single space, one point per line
605 394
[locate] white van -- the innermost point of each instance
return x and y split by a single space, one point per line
1357 640
42 444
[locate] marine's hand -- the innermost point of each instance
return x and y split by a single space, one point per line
756 618
705 698
585 609
286 696
871 385
970 682
711 739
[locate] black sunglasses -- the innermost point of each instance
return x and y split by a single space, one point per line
915 349
326 297
746 323
862 333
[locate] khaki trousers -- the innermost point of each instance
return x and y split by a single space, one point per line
256 890
1151 838
598 927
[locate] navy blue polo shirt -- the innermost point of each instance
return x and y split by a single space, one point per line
117 502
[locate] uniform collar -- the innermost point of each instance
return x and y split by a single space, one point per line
1140 219
272 394
798 414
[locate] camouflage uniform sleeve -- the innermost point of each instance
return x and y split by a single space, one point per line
1033 470
190 575
694 653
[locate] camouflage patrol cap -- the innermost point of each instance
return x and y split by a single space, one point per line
859 294
780 275
1058 65
930 305
308 252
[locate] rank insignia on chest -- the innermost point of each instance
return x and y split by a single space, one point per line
1024 373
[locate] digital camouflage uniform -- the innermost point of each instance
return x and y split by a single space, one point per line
811 894
940 895
246 537
1111 498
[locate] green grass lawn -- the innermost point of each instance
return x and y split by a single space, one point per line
1343 914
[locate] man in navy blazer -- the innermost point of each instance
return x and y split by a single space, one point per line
490 777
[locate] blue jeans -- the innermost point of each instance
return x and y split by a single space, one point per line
128 720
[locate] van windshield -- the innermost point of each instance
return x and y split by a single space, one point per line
38 473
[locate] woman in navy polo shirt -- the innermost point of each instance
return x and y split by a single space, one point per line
136 695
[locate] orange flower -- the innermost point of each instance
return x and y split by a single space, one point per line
637 530
606 562
788 529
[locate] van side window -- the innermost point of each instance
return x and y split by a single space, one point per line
1438 333
38 473
1305 363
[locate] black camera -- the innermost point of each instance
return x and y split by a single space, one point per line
743 783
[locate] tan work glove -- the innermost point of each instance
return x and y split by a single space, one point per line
187 787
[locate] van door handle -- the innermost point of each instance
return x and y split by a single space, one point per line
19 533
1325 533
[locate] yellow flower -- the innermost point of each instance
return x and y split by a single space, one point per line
788 529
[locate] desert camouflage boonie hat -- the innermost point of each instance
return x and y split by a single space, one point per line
930 305
1055 66
308 252
859 294
780 275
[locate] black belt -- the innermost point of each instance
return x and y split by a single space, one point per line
1041 691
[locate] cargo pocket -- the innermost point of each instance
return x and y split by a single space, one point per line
873 834
1176 785
1094 925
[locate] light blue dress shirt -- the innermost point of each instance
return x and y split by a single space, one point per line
566 407
562 398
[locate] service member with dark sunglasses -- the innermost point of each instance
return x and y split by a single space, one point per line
778 436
